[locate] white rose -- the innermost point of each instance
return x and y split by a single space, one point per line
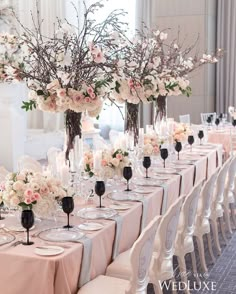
18 185
115 162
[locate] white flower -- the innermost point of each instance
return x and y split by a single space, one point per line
115 162
163 36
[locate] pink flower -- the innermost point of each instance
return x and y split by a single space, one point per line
44 190
36 196
28 200
28 193
87 100
99 58
119 156
92 96
61 93
104 162
90 90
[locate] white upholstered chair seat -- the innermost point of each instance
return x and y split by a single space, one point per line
121 267
105 285
231 197
165 268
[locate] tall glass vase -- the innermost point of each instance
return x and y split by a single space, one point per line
160 109
132 121
160 116
73 129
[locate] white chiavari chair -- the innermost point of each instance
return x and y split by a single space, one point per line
184 238
138 258
202 222
185 119
205 115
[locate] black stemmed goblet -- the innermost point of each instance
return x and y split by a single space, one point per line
68 207
178 147
100 190
146 164
127 174
191 141
164 155
234 122
217 122
27 222
1 205
200 136
209 120
220 116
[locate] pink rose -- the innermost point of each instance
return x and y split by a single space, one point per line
87 100
36 196
28 193
44 190
119 156
92 96
90 90
61 93
27 200
104 162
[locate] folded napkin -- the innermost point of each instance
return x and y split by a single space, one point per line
85 270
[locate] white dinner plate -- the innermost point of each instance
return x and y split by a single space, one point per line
90 226
48 250
120 206
142 191
18 228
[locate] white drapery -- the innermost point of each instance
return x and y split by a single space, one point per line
144 15
226 68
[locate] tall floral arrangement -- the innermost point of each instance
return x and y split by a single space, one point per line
154 67
71 71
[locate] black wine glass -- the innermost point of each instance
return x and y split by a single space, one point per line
217 122
164 155
127 174
178 147
1 206
27 222
234 122
146 164
220 116
200 136
68 207
191 141
100 190
209 120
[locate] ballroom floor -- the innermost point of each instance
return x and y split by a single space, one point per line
223 272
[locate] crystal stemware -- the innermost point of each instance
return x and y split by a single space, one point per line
200 136
191 141
146 164
68 207
127 174
178 147
27 222
164 155
1 217
100 190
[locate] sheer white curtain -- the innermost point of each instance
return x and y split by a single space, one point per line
49 11
226 68
145 14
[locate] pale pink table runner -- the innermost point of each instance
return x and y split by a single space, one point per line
21 271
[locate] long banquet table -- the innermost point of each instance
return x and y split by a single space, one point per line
22 271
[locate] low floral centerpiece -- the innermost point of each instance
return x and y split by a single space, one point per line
31 190
111 162
181 132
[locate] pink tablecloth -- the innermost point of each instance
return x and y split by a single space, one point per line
221 137
22 271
